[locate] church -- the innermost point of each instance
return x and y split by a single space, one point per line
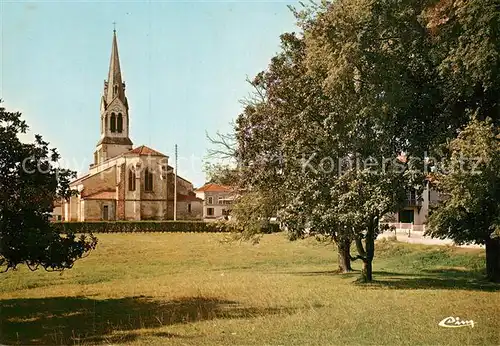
123 182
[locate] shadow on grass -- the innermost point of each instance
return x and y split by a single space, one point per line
425 279
70 320
434 279
351 274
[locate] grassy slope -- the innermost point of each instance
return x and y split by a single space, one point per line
143 288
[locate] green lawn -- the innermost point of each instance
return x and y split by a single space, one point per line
194 289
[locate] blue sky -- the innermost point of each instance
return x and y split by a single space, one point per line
185 65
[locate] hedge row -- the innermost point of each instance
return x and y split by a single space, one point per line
139 226
147 226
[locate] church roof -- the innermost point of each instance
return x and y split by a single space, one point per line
79 180
211 187
144 150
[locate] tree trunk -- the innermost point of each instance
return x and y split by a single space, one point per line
344 257
493 259
366 272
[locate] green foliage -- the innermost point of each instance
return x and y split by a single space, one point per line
354 87
363 82
29 184
146 226
465 46
469 180
222 174
252 213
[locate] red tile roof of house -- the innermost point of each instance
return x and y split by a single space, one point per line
144 150
211 187
105 194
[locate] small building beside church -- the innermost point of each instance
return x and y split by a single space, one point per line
123 182
217 200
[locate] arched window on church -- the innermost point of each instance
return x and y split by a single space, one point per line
115 90
148 180
131 180
105 123
119 124
112 125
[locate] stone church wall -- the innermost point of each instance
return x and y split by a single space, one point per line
153 210
73 208
132 210
94 209
183 210
120 203
105 180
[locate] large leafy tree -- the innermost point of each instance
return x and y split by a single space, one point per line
465 39
465 45
469 180
363 83
340 104
277 129
29 184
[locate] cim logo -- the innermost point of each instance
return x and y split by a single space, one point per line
455 322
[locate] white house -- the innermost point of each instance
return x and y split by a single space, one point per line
217 200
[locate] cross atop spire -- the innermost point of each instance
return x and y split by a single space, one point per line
114 27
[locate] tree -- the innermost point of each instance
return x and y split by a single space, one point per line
364 82
469 180
222 174
29 184
271 139
340 103
466 41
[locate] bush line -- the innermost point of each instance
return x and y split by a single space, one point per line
149 226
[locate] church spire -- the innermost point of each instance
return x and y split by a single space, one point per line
115 86
114 139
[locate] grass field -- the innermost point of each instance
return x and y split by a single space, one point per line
194 289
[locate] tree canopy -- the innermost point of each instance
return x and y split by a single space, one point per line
30 182
345 117
469 180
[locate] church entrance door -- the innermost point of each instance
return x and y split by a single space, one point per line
105 213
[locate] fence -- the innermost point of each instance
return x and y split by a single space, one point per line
407 228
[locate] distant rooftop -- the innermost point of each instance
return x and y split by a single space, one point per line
212 187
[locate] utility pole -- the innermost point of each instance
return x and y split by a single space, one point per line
175 185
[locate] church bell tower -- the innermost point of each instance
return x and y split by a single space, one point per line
114 138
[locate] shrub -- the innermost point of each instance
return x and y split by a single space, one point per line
140 226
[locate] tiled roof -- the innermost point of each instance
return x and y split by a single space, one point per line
144 150
211 187
106 194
